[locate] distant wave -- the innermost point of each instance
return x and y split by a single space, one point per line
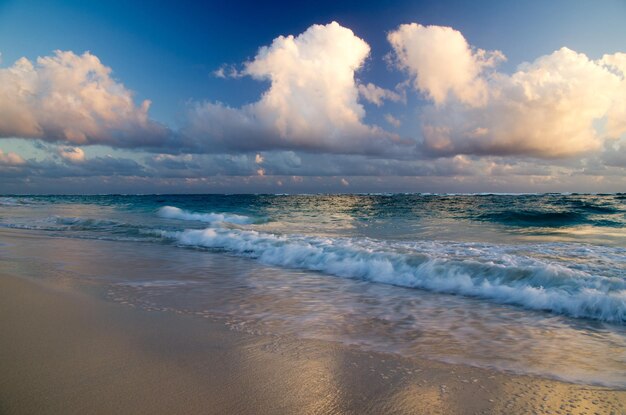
16 201
535 218
8 201
595 208
554 219
86 223
487 271
172 212
90 228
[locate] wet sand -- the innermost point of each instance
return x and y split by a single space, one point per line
63 349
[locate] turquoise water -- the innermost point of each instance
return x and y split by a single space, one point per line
529 283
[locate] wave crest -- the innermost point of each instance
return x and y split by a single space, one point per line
480 270
172 212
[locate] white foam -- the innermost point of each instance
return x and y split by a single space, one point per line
8 201
172 212
498 273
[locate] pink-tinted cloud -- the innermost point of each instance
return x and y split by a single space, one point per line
561 105
11 159
72 98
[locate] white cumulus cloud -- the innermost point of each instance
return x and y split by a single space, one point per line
377 95
442 62
616 117
311 104
72 98
560 105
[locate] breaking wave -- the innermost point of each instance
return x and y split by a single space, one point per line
593 289
172 212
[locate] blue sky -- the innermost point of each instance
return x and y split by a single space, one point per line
168 52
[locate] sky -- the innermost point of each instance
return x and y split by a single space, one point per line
307 97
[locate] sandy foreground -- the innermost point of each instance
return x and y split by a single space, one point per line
65 350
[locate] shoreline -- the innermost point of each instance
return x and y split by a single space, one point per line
64 350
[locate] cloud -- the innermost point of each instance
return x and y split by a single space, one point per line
442 62
561 105
309 172
376 95
616 117
479 126
615 155
289 163
71 154
72 98
227 71
393 120
101 166
11 159
311 104
14 167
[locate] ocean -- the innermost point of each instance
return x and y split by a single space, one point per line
531 284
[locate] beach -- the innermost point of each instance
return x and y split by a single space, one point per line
67 349
400 207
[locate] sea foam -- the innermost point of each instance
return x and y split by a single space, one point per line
503 274
172 212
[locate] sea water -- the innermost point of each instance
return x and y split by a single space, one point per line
525 283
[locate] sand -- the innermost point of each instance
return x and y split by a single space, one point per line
66 350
